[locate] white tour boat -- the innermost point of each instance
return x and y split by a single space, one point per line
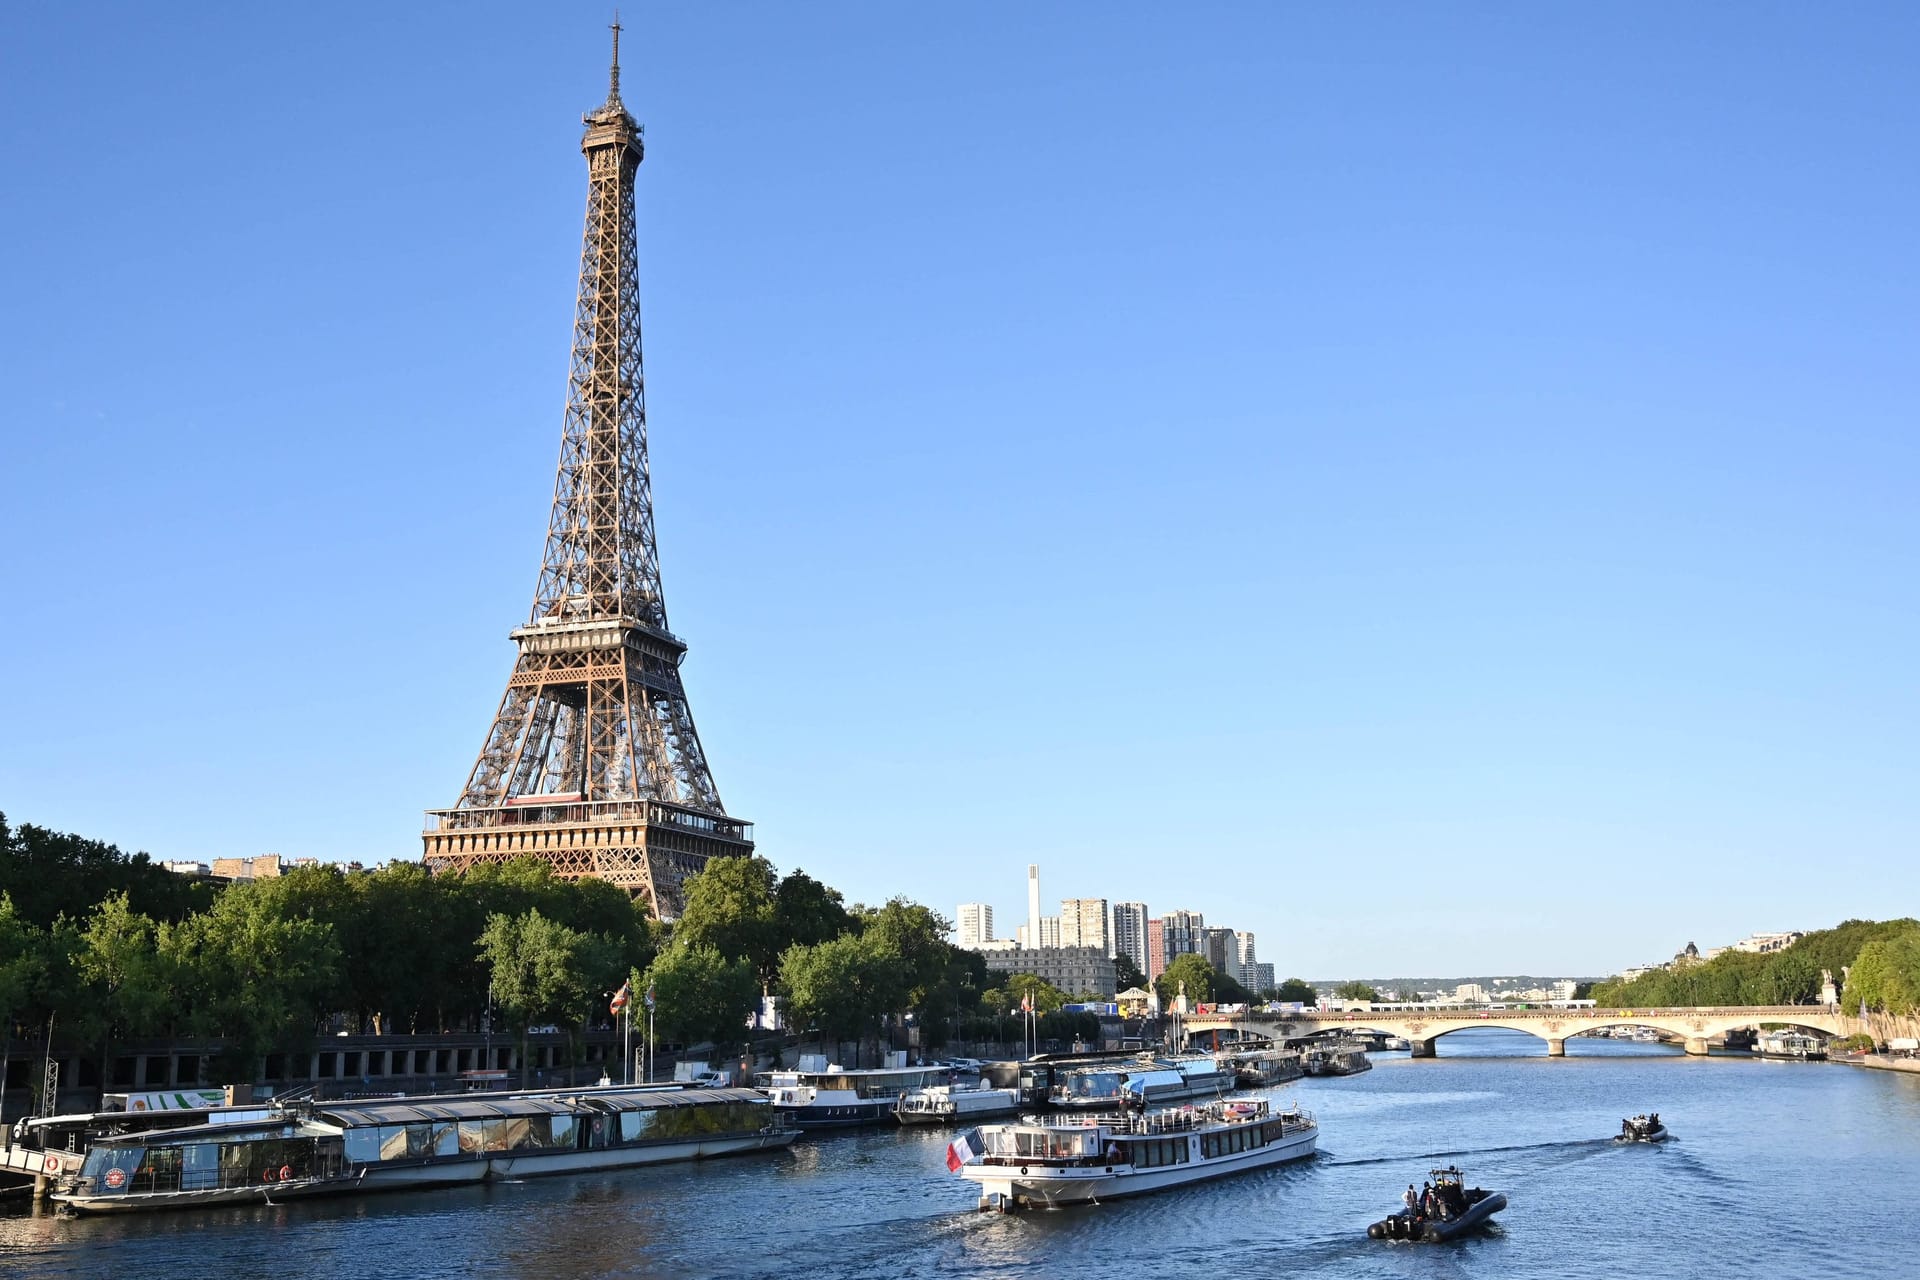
823 1096
1044 1163
385 1145
946 1104
1149 1082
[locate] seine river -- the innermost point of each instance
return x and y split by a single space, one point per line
1777 1169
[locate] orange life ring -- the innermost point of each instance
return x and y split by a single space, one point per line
286 1173
267 1176
51 1164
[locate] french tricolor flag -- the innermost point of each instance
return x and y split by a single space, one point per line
964 1149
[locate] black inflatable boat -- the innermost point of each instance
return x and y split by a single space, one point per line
1452 1209
1642 1129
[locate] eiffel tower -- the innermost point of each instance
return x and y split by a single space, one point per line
593 763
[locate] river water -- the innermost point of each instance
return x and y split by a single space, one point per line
1796 1169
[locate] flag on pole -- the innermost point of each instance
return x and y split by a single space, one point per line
963 1150
649 995
622 997
1026 1003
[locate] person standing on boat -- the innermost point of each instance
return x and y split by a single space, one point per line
1412 1201
1426 1200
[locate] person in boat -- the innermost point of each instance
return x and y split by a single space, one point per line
1653 1121
1412 1201
1426 1200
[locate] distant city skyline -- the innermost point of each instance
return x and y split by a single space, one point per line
1241 457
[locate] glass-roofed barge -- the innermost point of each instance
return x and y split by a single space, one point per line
394 1144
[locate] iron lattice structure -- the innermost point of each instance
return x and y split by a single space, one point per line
593 762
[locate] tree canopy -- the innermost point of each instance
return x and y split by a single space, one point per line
1788 976
1191 969
1296 991
1005 996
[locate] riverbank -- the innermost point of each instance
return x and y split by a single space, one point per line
1881 1062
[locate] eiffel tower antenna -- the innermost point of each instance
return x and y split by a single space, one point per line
593 763
613 86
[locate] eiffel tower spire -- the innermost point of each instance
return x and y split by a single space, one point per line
593 762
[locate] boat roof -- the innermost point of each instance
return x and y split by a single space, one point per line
468 1107
450 1107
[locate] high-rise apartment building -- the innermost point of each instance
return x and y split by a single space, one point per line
1183 930
1217 946
1049 935
974 921
1156 949
1083 923
1245 966
1263 982
1130 932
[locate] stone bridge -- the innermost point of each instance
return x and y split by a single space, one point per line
1695 1026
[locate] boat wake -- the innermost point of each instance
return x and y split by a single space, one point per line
1571 1145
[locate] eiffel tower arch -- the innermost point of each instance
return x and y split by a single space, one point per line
593 763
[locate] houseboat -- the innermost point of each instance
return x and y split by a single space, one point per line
1043 1163
946 1104
1796 1046
1337 1060
366 1146
1264 1067
1144 1082
828 1096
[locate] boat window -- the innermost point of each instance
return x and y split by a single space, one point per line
561 1131
634 1125
393 1141
101 1159
363 1145
199 1167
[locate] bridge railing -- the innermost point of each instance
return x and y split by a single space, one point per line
1468 1013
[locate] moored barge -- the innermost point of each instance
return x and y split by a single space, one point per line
367 1146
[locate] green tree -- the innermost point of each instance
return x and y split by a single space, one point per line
1126 974
23 962
731 909
124 988
534 966
701 994
915 937
1886 975
843 985
23 968
50 874
1005 997
1296 991
248 974
807 912
1355 990
1191 969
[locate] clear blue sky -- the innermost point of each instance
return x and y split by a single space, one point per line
1434 485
